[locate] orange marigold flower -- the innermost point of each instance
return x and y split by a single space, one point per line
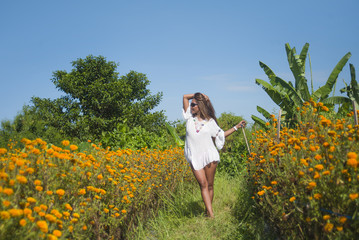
65 142
326 173
60 192
21 179
319 167
42 225
326 217
37 182
311 185
31 200
260 193
352 155
352 162
57 233
339 228
274 182
353 196
5 215
74 147
99 177
124 211
318 157
22 222
318 196
292 199
342 220
328 227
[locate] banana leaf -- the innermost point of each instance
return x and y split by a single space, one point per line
324 91
173 133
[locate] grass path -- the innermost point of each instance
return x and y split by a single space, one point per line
183 215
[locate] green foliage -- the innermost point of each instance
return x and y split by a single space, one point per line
136 138
289 96
234 151
97 99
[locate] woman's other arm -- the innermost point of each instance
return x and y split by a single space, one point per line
233 129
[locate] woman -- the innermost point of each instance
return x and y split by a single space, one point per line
202 136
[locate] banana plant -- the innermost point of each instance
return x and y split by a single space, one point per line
352 92
289 96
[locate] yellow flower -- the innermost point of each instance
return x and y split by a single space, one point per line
342 220
353 196
37 182
60 192
57 233
42 225
82 192
311 185
21 179
352 162
99 177
317 196
328 227
292 199
31 200
260 193
22 222
326 217
73 147
50 218
6 203
339 228
76 215
68 207
319 167
4 215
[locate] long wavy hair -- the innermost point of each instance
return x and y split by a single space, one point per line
206 109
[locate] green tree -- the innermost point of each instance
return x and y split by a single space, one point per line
97 99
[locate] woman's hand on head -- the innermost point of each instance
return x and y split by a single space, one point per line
205 96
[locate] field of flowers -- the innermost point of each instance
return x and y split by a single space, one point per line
305 181
54 192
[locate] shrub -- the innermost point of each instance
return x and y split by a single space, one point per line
50 191
306 182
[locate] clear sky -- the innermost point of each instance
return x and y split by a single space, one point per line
183 46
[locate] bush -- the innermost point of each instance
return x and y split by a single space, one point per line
306 183
49 191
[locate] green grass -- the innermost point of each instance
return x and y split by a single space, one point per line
182 216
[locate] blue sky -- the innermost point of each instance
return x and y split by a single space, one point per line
183 46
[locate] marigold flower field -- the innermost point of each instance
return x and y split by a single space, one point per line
305 181
55 192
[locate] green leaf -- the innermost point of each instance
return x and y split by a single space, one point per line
324 91
264 112
259 121
336 100
173 133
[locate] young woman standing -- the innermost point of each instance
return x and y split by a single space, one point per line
203 135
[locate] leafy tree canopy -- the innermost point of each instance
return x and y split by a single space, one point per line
97 99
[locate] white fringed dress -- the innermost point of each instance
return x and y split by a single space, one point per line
200 149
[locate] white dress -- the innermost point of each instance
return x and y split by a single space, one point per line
199 148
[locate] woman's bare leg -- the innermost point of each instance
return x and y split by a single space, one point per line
210 171
205 179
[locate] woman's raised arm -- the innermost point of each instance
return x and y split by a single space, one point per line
186 99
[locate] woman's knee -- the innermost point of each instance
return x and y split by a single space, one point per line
203 184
